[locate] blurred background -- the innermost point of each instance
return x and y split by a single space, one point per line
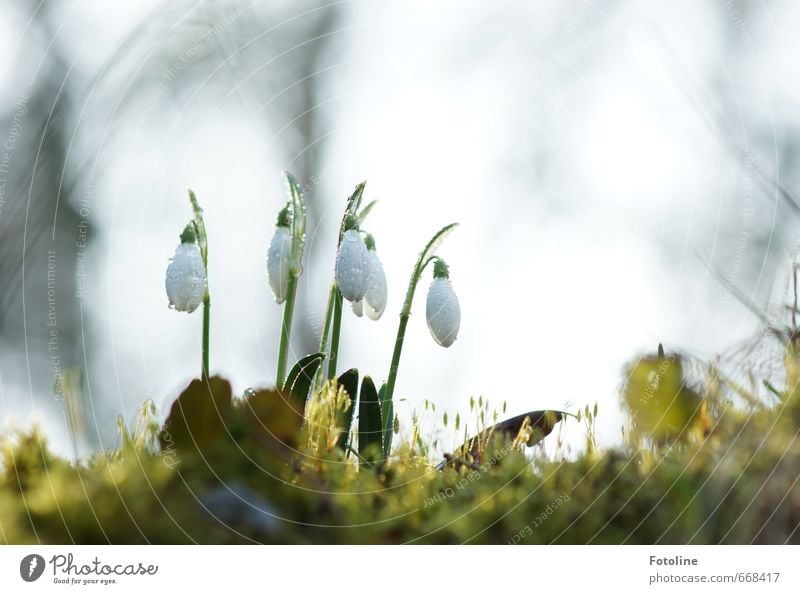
602 162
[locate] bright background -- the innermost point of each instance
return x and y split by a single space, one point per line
596 159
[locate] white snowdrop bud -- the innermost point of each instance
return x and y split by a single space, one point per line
442 309
352 266
375 299
186 277
358 307
280 248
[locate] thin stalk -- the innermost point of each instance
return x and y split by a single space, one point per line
336 332
398 349
286 329
326 328
202 243
206 333
426 257
405 314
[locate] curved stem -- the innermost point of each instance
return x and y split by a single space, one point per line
426 257
286 329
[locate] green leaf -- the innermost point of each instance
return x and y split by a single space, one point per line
387 418
298 223
362 216
353 203
200 227
300 377
349 381
370 430
433 245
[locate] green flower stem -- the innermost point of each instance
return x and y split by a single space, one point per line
286 329
326 329
206 332
333 312
335 333
390 383
202 243
405 314
426 257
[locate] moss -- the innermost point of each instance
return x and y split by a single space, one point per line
228 470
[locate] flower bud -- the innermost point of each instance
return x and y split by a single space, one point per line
352 266
443 311
280 248
186 276
375 299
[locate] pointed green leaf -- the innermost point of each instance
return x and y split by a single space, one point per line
298 223
370 431
353 203
362 216
349 381
387 420
200 226
436 241
300 377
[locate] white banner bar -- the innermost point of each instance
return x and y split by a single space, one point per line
387 569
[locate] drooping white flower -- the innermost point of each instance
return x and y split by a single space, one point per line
280 249
186 278
375 299
352 266
358 307
442 309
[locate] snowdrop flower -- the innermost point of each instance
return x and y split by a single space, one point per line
352 266
375 298
186 274
442 309
280 249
